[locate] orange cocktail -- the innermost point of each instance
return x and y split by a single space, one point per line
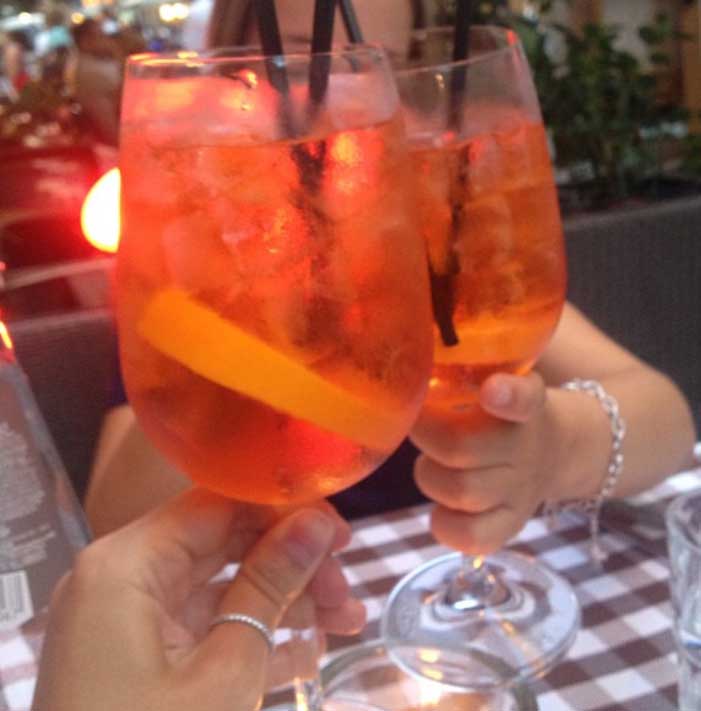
272 290
490 218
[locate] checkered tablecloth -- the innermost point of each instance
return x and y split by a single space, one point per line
622 660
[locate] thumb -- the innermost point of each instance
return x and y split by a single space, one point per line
272 575
515 398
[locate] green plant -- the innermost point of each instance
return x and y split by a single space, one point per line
691 156
599 102
487 11
602 107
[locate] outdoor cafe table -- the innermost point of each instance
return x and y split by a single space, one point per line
622 660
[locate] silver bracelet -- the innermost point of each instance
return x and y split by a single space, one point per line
592 506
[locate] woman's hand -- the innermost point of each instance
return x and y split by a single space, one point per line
129 626
489 470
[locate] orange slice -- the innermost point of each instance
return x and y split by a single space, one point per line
197 337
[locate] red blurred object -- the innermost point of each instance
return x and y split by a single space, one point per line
49 266
41 194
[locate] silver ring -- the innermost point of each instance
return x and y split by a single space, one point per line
246 620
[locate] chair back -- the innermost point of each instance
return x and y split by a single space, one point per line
71 362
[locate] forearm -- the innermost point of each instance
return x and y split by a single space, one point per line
659 438
129 475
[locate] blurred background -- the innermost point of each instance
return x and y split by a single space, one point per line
619 82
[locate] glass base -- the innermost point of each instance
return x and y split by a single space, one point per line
366 674
519 622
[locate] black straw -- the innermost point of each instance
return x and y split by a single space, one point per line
322 33
461 51
442 283
268 27
350 22
461 36
271 42
322 38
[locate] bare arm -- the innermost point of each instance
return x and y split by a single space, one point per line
129 476
660 431
539 443
14 61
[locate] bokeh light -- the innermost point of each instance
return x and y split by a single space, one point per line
100 218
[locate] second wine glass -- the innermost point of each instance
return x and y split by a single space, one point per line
490 220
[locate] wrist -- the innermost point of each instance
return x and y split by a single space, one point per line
583 445
592 505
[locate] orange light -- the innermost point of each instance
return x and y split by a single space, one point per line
348 155
430 693
170 95
251 78
241 96
346 150
100 217
238 98
5 336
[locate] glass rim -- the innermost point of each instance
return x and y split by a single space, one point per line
245 54
511 39
674 522
343 660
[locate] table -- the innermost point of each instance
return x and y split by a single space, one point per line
622 660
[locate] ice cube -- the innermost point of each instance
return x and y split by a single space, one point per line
360 99
197 258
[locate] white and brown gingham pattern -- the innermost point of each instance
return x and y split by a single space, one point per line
622 660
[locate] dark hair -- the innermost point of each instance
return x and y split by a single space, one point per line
80 31
55 18
231 24
22 38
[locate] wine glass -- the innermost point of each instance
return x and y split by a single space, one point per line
272 292
490 219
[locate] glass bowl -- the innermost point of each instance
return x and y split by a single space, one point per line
365 673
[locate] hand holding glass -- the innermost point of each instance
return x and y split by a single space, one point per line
490 220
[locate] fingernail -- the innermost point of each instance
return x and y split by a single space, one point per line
499 394
359 614
309 537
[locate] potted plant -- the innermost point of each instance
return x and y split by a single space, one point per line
614 139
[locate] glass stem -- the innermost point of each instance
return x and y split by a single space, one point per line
475 587
304 645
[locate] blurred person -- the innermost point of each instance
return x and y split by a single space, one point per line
53 66
7 92
233 22
53 45
16 51
55 35
134 624
130 40
108 22
94 78
535 442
